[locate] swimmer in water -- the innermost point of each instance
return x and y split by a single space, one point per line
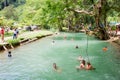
53 41
81 66
55 67
76 47
105 49
89 66
9 54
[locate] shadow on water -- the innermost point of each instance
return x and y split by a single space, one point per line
34 61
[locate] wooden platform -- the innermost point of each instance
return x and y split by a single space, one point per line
3 43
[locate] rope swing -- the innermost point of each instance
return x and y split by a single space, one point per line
87 50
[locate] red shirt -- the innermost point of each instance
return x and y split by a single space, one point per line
2 31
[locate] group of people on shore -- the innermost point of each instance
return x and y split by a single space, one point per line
15 33
2 32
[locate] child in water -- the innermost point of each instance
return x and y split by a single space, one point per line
76 47
53 42
9 54
81 66
55 67
89 66
105 49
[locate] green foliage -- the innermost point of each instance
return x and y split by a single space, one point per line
6 22
5 3
39 36
14 42
10 13
65 29
8 34
113 28
54 13
21 38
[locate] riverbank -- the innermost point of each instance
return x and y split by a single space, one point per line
23 38
115 41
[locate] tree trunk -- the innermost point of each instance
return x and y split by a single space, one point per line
102 31
60 28
60 25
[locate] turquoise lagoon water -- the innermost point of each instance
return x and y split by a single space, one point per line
34 61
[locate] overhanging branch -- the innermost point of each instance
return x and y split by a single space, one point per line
82 11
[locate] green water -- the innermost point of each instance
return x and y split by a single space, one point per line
34 61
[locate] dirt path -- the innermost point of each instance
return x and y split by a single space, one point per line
28 34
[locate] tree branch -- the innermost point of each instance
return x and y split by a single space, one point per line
82 11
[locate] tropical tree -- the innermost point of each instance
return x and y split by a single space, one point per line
10 13
98 10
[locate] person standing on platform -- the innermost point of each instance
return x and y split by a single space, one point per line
2 31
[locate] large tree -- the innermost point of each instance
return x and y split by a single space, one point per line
97 9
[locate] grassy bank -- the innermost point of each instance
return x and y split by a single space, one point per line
24 37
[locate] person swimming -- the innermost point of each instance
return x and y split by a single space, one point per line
89 66
76 47
55 66
53 41
105 48
9 54
81 66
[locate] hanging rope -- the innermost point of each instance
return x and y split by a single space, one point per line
87 50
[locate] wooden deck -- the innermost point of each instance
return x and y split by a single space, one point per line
3 43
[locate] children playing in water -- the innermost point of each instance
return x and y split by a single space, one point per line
87 67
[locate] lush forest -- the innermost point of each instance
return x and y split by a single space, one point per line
70 15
